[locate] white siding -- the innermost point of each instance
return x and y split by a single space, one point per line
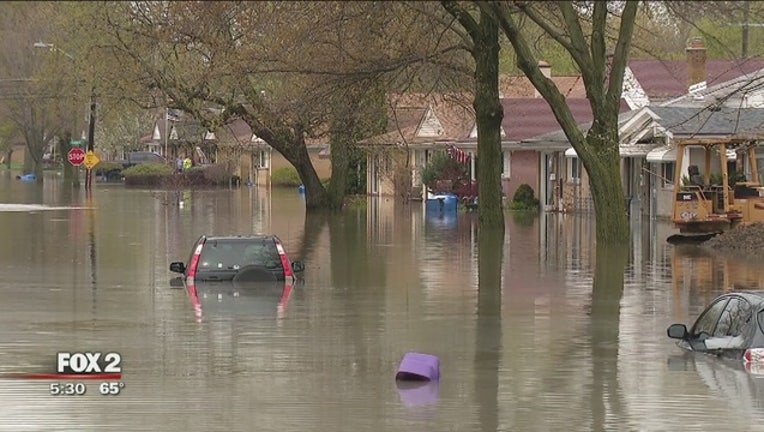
430 126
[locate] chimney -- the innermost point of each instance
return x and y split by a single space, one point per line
546 69
696 62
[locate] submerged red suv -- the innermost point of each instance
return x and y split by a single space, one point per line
256 258
236 274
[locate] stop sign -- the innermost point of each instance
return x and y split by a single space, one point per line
76 156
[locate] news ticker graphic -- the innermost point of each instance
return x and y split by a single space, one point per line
72 367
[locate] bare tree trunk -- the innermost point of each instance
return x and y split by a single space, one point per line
488 110
603 166
315 194
290 142
603 79
489 114
341 142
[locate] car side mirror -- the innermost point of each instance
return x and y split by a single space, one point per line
677 331
177 267
298 266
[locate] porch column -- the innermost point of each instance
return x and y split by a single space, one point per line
472 166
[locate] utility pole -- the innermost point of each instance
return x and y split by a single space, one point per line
91 137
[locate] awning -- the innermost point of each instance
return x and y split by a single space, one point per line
571 152
662 154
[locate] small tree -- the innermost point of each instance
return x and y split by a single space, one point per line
524 198
442 168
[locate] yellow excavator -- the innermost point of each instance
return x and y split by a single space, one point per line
706 205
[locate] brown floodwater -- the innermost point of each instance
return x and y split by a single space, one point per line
527 340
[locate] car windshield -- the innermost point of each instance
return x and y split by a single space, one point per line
234 254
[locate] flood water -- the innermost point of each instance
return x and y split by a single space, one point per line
538 347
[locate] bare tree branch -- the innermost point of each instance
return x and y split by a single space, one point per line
620 57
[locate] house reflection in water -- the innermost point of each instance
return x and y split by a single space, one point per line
700 274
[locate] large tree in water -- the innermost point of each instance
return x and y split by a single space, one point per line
583 30
480 34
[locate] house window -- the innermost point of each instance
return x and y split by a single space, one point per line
574 169
506 158
264 162
667 174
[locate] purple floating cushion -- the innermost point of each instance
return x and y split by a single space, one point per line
418 367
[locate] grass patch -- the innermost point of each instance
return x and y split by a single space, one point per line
286 177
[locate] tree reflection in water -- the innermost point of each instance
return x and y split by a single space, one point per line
607 291
488 339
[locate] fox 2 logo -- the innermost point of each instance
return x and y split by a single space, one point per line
88 362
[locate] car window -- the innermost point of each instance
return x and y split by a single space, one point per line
706 323
733 327
235 254
739 313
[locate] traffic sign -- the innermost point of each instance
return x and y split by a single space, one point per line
76 156
91 159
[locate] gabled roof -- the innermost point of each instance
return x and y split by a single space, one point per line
663 79
557 138
519 86
645 124
528 117
743 87
416 118
686 122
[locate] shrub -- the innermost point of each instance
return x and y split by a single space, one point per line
524 198
106 167
149 174
442 168
286 176
110 171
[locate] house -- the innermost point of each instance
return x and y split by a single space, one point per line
673 123
659 82
255 160
694 82
648 156
420 124
397 157
176 133
565 184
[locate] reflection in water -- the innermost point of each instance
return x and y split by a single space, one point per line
733 386
533 332
488 349
607 291
418 393
92 246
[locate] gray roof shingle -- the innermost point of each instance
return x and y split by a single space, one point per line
708 122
